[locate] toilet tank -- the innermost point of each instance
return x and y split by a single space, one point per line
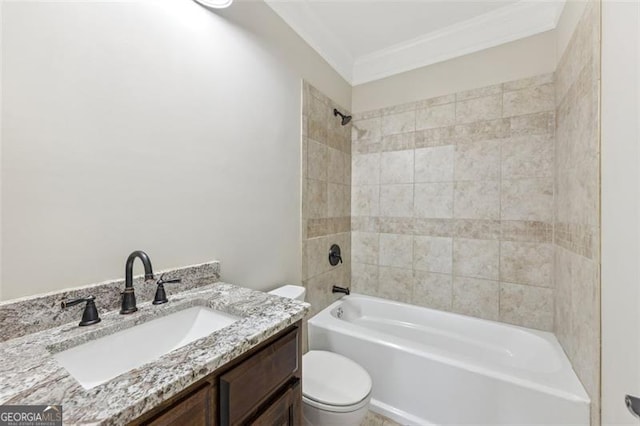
290 291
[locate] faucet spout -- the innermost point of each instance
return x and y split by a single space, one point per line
128 295
146 262
344 290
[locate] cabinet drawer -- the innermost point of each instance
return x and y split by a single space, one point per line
193 410
284 411
251 383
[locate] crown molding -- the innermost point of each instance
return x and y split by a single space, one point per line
299 16
509 23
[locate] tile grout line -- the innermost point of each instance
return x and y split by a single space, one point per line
377 227
413 209
502 92
453 231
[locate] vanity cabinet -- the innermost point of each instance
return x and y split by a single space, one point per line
261 387
284 411
195 409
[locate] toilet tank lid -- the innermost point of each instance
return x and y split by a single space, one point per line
333 379
290 291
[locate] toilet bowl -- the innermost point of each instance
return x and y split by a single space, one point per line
335 390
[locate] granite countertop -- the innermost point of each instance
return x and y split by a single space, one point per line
30 375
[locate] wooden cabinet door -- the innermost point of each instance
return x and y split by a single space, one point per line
193 410
252 383
284 411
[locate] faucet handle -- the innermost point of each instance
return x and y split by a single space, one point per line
335 256
171 281
90 314
161 295
65 303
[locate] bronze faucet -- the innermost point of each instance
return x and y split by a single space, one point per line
128 295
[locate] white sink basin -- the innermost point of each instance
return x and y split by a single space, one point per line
100 360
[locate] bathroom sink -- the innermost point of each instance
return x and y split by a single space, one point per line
100 360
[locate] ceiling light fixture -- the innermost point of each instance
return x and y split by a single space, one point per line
216 4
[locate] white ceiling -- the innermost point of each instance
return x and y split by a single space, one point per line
365 40
371 26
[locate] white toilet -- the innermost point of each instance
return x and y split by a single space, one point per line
335 390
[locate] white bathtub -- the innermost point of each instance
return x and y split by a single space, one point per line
437 368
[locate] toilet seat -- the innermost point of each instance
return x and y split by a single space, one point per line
335 408
332 382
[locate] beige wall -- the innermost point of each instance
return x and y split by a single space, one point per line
267 31
571 14
1 97
620 208
577 203
153 125
452 202
512 61
326 197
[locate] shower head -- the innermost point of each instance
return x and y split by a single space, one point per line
345 118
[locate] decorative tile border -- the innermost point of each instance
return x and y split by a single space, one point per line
506 230
579 239
527 231
327 226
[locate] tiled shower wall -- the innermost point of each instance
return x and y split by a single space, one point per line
577 212
452 202
326 197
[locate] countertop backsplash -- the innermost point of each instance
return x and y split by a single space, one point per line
31 314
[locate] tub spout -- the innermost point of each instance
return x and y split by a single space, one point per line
337 289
